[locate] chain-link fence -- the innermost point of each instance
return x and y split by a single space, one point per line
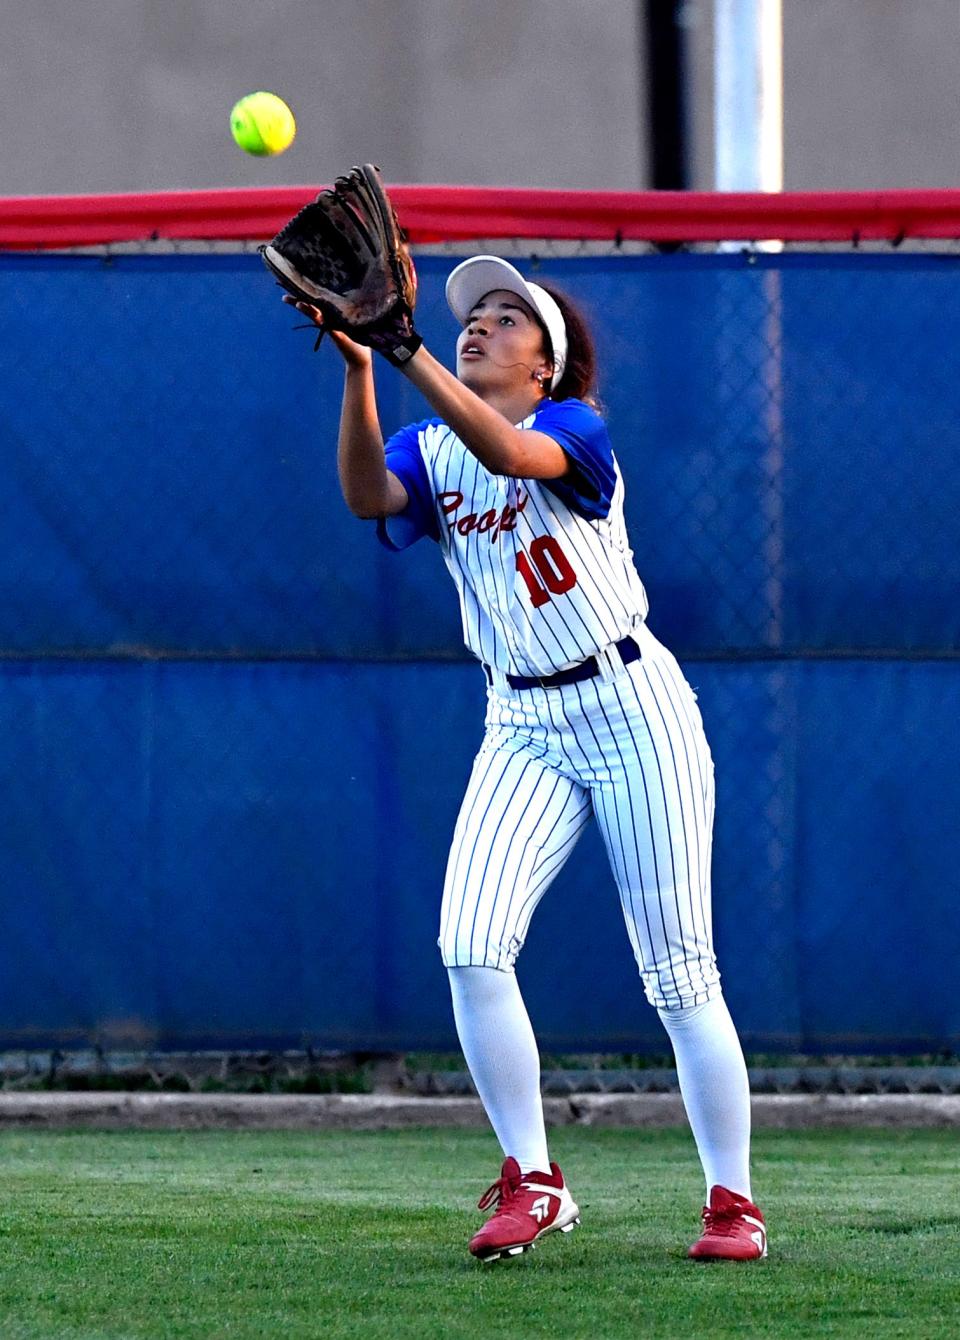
235 733
85 1070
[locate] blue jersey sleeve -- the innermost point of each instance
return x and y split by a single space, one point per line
587 488
418 518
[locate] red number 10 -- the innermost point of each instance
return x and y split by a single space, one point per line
553 566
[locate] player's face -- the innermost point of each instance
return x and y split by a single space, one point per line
501 344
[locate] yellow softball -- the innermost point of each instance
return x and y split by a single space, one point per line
262 124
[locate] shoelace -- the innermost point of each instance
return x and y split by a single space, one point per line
722 1223
500 1193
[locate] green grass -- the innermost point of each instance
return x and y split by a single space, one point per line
250 1234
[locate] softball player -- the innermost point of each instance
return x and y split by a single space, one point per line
587 715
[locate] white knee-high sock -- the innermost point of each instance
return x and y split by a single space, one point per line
501 1052
715 1089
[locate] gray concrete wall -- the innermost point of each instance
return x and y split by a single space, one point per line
870 93
134 95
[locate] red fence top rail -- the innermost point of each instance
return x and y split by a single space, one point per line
455 213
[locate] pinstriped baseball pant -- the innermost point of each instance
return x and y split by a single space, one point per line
628 748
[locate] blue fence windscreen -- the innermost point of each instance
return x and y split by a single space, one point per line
234 731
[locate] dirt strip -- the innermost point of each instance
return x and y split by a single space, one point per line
381 1112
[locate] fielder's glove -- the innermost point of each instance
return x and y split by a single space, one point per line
346 254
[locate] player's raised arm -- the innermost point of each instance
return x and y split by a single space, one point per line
369 488
512 353
487 426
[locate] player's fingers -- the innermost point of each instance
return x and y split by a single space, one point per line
305 308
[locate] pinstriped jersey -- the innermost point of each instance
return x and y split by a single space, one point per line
543 568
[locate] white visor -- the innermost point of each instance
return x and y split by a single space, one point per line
480 275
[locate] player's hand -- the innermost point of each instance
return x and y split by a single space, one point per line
354 355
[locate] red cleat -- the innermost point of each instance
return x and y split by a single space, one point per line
733 1229
527 1206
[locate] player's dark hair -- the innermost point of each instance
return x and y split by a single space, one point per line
579 380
